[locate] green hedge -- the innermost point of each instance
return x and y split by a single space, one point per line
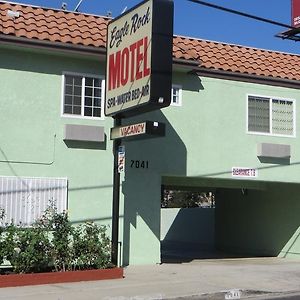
52 243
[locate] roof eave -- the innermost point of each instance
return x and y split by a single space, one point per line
185 65
260 79
50 45
192 66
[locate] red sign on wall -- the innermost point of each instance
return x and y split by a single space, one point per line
296 13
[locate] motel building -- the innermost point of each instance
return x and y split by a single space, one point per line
230 135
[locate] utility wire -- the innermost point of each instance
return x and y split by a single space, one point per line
236 12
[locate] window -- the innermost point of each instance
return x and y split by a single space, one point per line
271 116
176 95
24 199
83 96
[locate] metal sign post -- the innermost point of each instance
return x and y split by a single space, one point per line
116 199
138 79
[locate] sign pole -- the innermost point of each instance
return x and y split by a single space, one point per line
138 79
116 199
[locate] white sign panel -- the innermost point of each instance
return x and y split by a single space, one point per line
131 45
244 172
141 130
129 59
131 130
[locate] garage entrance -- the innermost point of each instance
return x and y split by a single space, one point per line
225 218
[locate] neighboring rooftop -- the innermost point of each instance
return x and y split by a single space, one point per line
78 29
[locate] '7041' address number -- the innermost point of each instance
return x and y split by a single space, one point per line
139 164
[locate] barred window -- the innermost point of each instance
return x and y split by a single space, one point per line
270 116
25 199
83 96
282 117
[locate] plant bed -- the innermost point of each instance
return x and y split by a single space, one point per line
52 250
14 280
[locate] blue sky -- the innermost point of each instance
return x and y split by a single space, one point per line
194 20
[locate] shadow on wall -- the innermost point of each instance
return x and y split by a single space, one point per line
191 82
259 223
187 233
249 222
142 186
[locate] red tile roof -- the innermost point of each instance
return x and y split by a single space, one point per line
53 25
238 59
42 24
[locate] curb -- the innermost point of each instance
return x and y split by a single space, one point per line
243 294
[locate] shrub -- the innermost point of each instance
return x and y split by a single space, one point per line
62 250
52 242
28 250
91 246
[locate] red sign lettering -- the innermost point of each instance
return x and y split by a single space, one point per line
133 129
131 63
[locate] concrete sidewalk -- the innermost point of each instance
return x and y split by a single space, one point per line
199 279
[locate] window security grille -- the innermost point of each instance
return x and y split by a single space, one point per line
282 117
258 114
25 199
271 116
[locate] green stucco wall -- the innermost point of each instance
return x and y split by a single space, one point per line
206 136
212 125
32 131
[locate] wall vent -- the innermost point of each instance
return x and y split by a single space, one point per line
273 150
84 133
